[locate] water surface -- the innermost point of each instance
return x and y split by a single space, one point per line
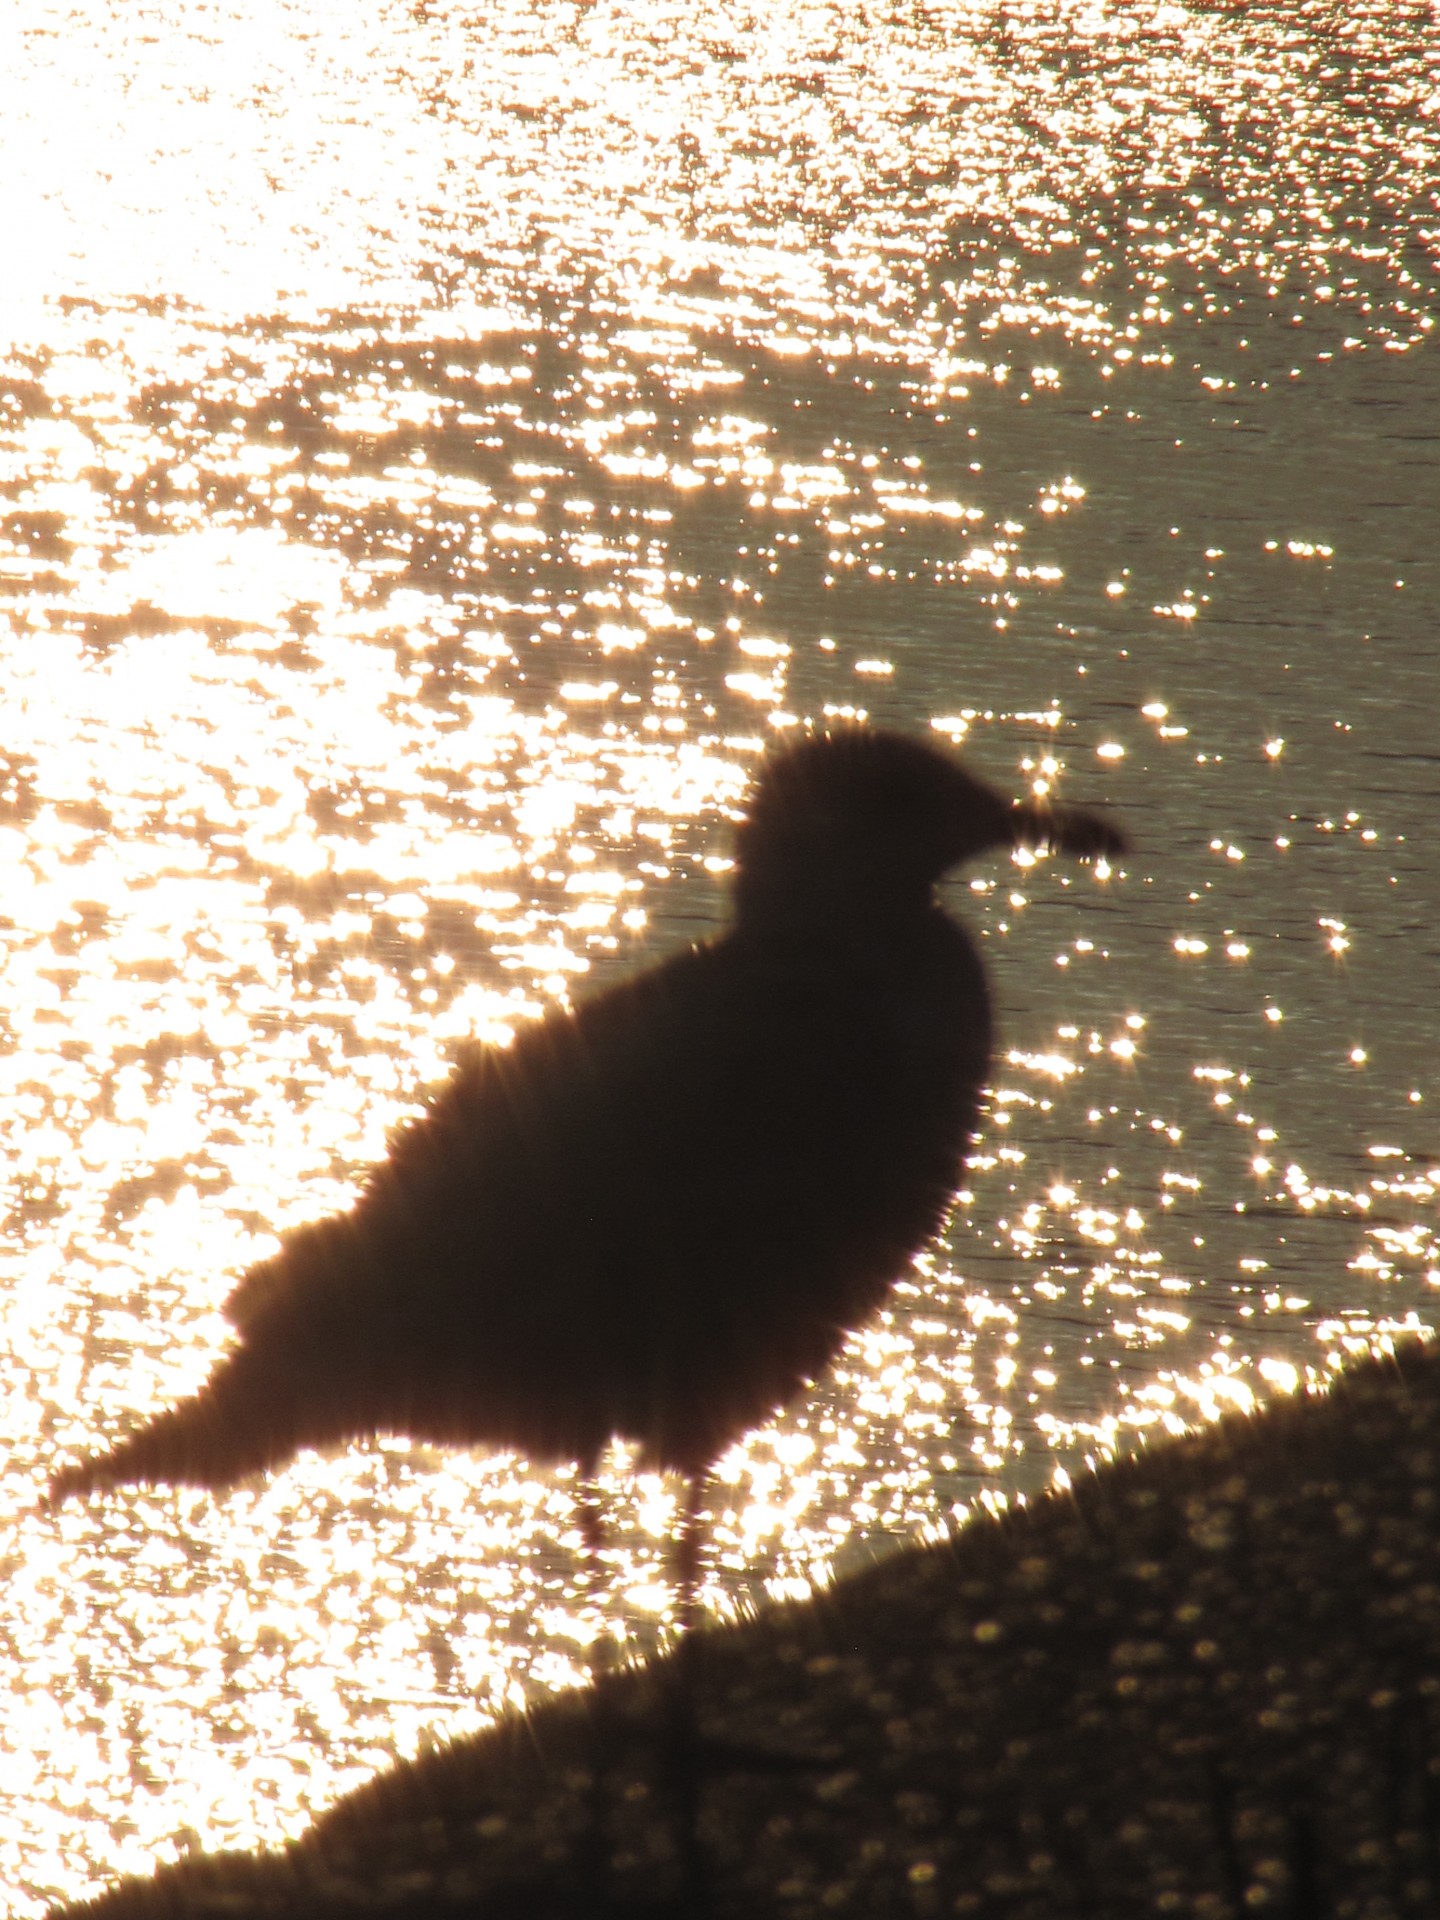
440 449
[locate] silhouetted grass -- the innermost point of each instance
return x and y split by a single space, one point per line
1205 1683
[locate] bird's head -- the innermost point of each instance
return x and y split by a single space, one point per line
860 814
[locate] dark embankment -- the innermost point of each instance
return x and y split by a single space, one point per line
1207 1683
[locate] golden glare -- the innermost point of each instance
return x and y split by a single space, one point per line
441 450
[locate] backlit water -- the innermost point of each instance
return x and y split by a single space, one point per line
438 448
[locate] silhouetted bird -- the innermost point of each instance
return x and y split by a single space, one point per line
655 1216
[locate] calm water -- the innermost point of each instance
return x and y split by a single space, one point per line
440 447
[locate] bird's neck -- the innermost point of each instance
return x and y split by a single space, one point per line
815 907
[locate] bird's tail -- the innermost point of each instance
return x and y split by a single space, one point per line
207 1441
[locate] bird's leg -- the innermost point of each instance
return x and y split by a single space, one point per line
687 1554
592 1536
682 1711
595 1846
688 1749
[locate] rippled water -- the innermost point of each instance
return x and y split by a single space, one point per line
440 446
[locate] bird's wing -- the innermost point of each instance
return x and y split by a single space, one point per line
663 1207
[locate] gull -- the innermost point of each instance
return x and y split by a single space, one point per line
658 1215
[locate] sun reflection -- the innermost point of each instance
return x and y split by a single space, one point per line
419 510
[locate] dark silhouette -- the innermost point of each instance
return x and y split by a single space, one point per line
658 1215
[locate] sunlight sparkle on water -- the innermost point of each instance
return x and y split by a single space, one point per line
433 467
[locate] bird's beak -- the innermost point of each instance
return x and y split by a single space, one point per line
1073 830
